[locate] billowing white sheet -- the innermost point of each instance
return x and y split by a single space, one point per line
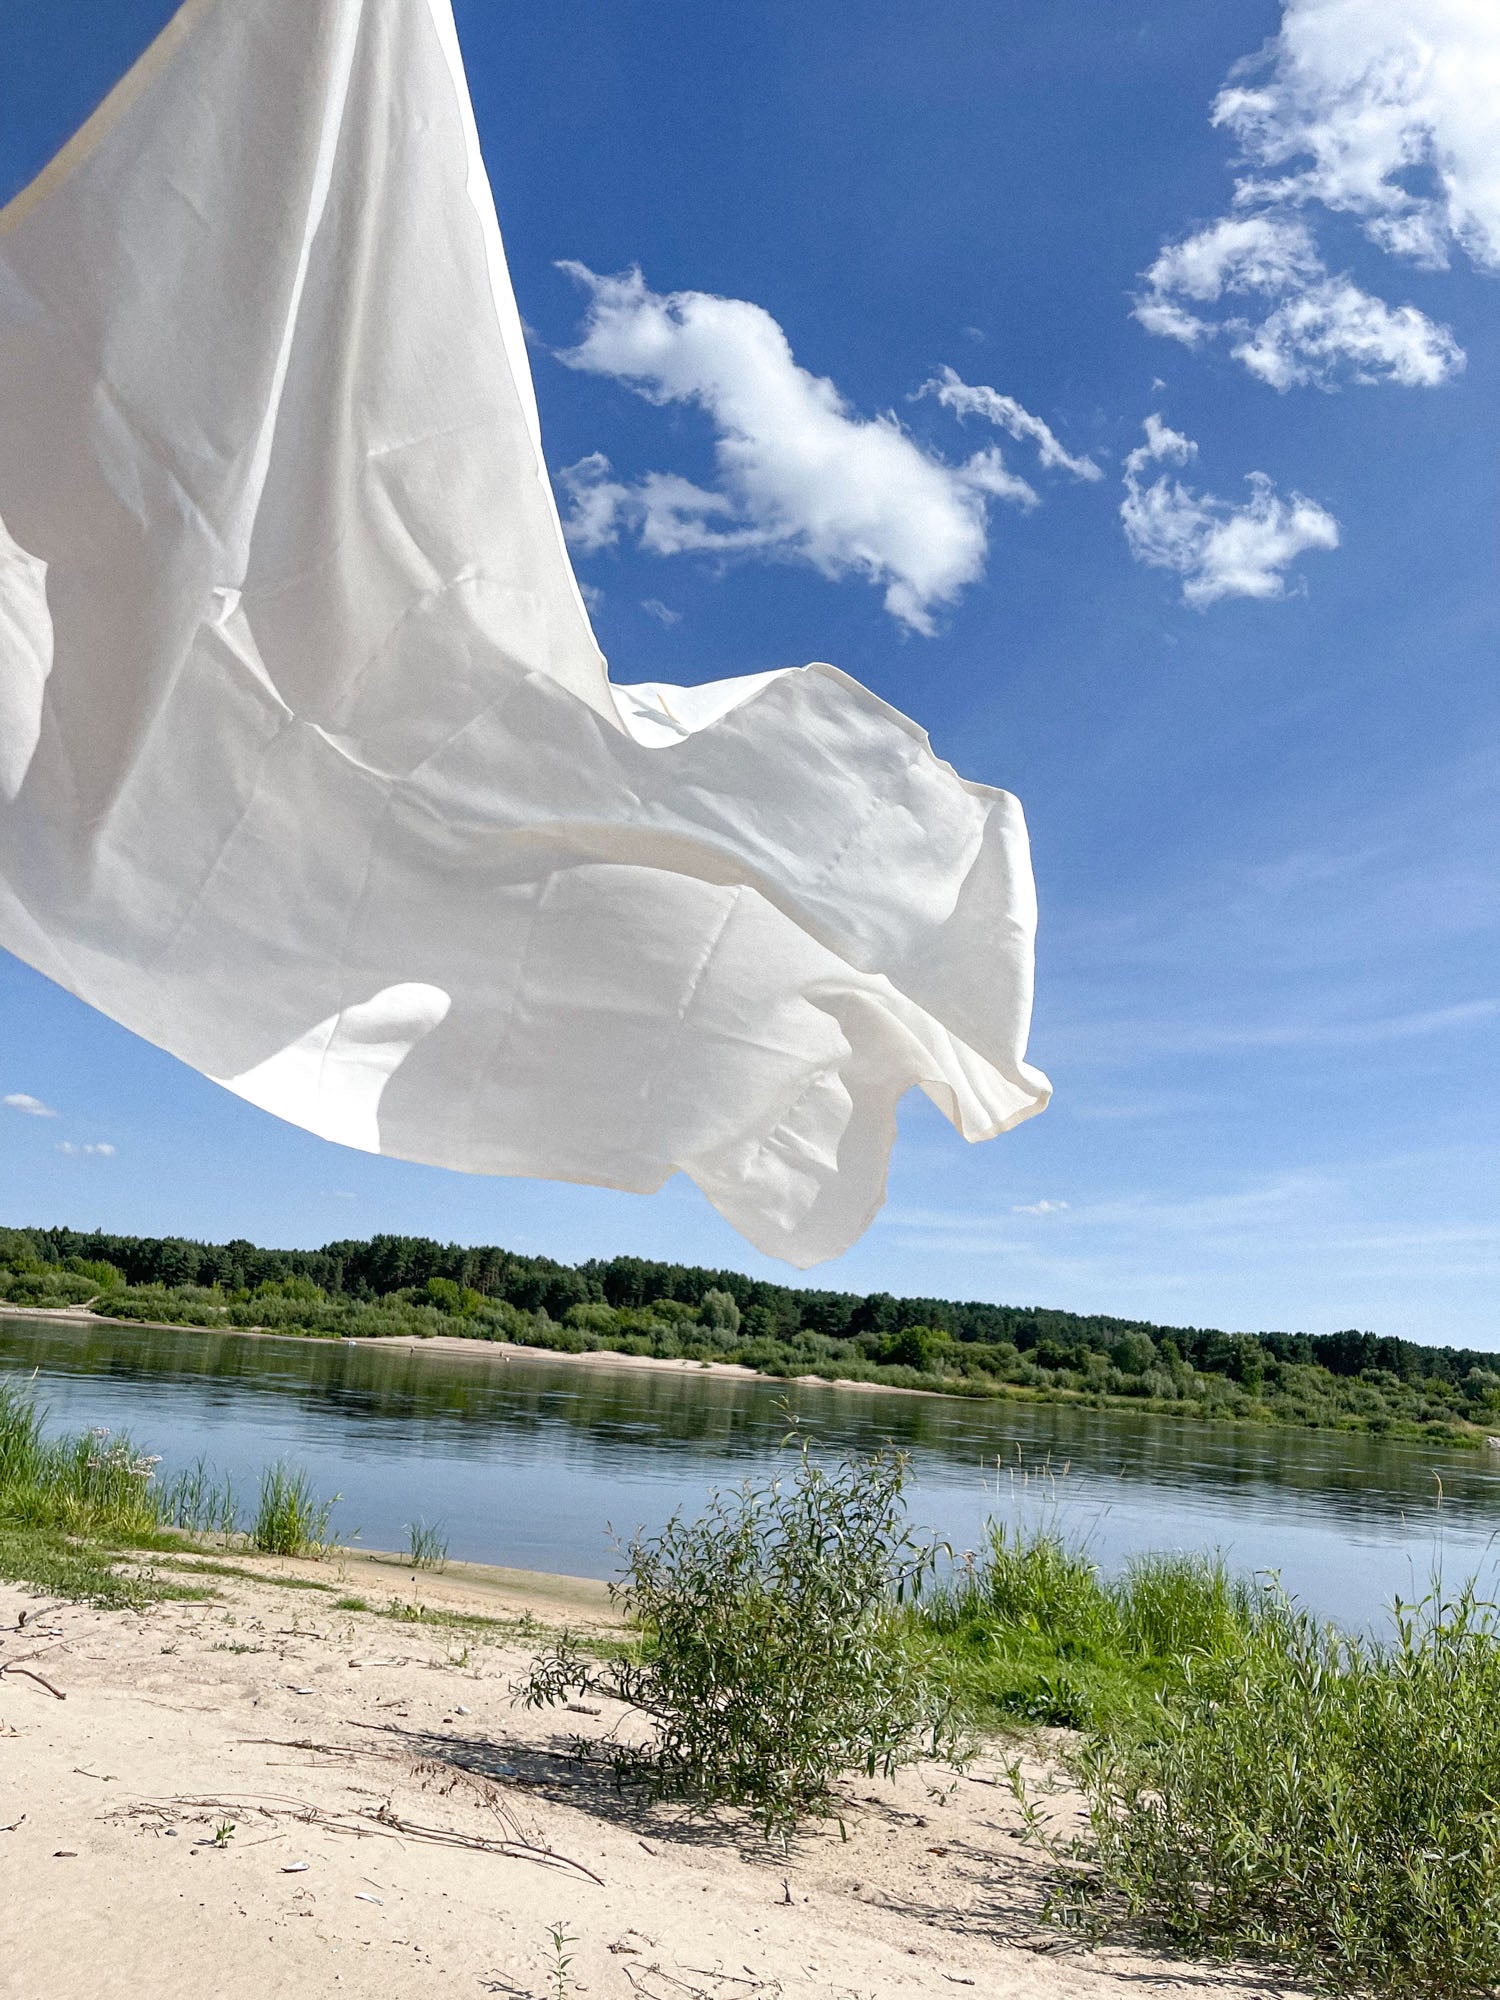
310 768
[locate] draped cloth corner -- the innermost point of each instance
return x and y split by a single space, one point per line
311 771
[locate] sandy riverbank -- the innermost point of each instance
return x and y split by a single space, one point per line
400 1828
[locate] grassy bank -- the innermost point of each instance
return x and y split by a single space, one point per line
1031 1633
405 1286
71 1508
1241 1781
1255 1783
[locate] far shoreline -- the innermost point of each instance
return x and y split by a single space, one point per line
487 1350
1470 1437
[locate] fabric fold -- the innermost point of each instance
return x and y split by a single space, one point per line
311 771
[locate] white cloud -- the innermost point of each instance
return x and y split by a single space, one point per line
662 613
596 502
801 476
1334 326
1040 1208
1240 253
1383 110
103 1150
1218 550
1319 330
975 399
20 1100
1367 107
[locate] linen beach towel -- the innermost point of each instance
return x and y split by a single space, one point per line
311 771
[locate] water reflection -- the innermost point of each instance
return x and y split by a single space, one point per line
528 1462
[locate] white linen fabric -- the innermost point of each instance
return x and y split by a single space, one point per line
311 771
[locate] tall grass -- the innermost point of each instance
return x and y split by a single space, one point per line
1032 1631
426 1545
81 1485
66 1505
70 1506
290 1520
1255 1783
200 1502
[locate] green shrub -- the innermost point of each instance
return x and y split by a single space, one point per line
773 1654
1327 1803
103 1277
46 1288
916 1347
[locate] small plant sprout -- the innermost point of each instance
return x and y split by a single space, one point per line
223 1833
560 1938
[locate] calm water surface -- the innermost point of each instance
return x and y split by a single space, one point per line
530 1463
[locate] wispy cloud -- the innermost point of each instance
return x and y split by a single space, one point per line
801 476
1221 1216
1392 1241
1352 1033
1039 1208
976 399
1122 1043
662 613
1290 322
1217 549
33 1107
1369 108
98 1150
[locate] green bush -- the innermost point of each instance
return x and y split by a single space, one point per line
773 1652
1327 1803
102 1276
48 1289
720 1312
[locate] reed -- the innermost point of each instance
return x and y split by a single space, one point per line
426 1545
290 1520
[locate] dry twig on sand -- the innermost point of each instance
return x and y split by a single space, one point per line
361 1823
15 1667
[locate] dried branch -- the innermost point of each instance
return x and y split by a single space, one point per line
367 1822
15 1667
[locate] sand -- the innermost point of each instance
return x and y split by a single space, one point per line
267 1702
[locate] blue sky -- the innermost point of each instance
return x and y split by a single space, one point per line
1253 724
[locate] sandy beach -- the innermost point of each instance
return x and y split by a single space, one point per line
401 1827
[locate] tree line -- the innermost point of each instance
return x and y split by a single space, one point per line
380 1267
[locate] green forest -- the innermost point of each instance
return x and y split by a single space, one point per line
394 1285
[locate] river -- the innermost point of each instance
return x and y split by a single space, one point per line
530 1463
